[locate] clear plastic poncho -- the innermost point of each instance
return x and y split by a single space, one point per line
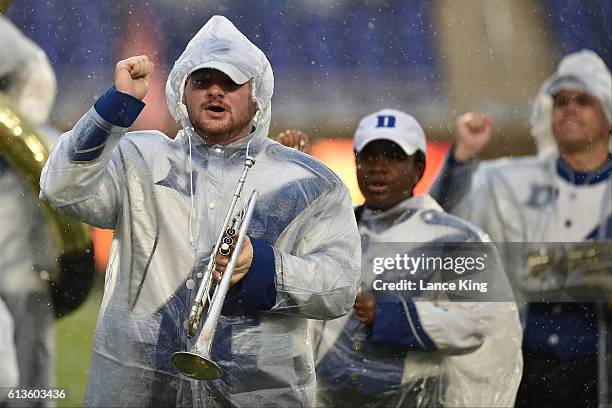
140 186
451 352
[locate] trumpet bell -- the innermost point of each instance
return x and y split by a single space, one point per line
196 366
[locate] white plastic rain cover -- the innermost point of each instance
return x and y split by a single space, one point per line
139 185
461 352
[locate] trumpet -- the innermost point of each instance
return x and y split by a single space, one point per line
197 363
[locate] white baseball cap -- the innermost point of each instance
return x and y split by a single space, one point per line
232 71
393 125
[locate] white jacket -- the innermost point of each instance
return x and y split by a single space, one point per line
454 353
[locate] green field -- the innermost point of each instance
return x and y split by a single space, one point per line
74 340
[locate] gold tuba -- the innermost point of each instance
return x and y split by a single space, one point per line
26 149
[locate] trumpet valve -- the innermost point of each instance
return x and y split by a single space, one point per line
225 248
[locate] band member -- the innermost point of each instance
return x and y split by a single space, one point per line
166 200
400 347
562 195
27 248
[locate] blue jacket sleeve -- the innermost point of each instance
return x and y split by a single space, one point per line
397 323
257 290
454 181
114 107
118 108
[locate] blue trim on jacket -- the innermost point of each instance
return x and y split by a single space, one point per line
115 107
257 290
118 108
398 324
582 178
90 145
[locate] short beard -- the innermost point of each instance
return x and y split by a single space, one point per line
224 134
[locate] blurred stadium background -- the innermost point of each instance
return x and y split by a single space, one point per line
334 61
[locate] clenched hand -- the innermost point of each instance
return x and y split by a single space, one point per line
132 76
473 134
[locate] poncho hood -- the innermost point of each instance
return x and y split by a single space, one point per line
219 44
581 71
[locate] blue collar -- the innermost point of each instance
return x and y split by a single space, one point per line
582 178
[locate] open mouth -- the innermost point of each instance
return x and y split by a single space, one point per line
217 109
377 187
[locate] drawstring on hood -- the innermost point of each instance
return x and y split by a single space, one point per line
192 207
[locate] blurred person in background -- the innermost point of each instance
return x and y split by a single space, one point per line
27 250
166 200
399 348
9 375
562 195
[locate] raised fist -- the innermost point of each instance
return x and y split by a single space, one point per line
473 133
132 76
294 138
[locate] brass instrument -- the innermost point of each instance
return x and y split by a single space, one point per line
582 270
4 5
26 150
197 363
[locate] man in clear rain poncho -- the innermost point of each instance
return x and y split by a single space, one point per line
27 249
562 195
402 346
166 200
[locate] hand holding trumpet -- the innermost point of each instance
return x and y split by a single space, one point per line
243 263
